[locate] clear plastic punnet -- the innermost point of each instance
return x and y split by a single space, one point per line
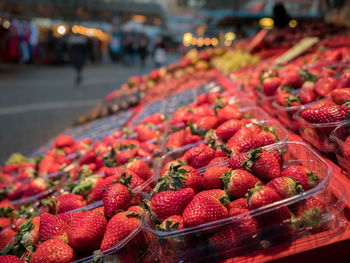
266 103
318 134
339 135
212 242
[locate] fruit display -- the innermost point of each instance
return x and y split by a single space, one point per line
207 167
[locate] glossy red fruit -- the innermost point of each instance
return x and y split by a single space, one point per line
243 141
155 118
238 203
171 223
339 96
270 85
302 175
208 122
265 165
140 167
10 259
224 240
5 237
323 86
117 197
67 202
344 80
243 222
51 226
53 251
169 203
227 129
229 112
211 177
285 186
219 159
326 114
199 156
64 141
307 96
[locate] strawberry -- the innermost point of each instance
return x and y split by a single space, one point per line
66 202
217 193
267 136
64 141
344 80
340 96
125 156
270 85
288 100
260 196
238 203
285 186
4 223
37 186
33 236
171 223
224 240
324 86
302 175
203 209
265 165
155 118
67 217
244 140
116 197
119 227
168 203
139 167
110 171
218 159
238 182
307 96
10 259
292 78
145 133
211 177
53 251
201 99
208 122
243 223
86 230
199 156
51 226
176 140
5 237
229 112
236 161
227 129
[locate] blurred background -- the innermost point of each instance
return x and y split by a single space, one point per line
60 58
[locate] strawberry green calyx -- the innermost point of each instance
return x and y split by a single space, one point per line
272 130
7 212
224 200
312 179
85 185
347 103
133 214
25 211
109 159
307 76
197 130
85 171
218 104
169 226
292 99
287 88
251 191
172 180
226 177
312 217
249 161
125 180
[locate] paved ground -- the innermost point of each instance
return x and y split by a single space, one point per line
37 102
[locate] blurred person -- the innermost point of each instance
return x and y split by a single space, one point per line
159 54
115 47
33 41
77 45
128 51
280 16
143 52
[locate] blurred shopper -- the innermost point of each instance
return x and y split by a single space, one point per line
78 52
128 51
143 52
280 16
159 54
115 47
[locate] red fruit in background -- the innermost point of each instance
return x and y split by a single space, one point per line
339 96
218 159
307 96
325 114
89 157
287 100
302 175
217 193
67 202
5 237
4 223
51 226
119 227
266 137
145 133
270 85
10 259
85 231
238 182
238 203
285 186
172 223
201 99
176 140
208 122
229 112
111 171
243 141
227 129
169 203
199 156
324 86
155 118
37 186
327 73
224 240
243 223
211 177
64 141
344 80
203 209
141 168
124 156
148 147
292 78
116 197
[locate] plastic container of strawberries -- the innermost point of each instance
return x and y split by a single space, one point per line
265 102
318 134
339 135
193 244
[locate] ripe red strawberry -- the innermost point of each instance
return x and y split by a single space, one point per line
266 137
10 259
5 237
238 203
86 230
224 240
302 175
208 122
201 99
101 187
176 140
217 193
326 114
51 226
4 223
288 100
339 96
243 223
155 118
37 186
227 129
110 171
260 196
172 223
119 227
323 86
285 186
199 156
219 159
292 78
53 251
180 116
125 156
203 209
148 147
67 217
307 96
116 197
145 133
238 182
64 141
33 236
139 167
244 140
236 161
211 177
169 203
66 202
344 80
229 112
270 85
